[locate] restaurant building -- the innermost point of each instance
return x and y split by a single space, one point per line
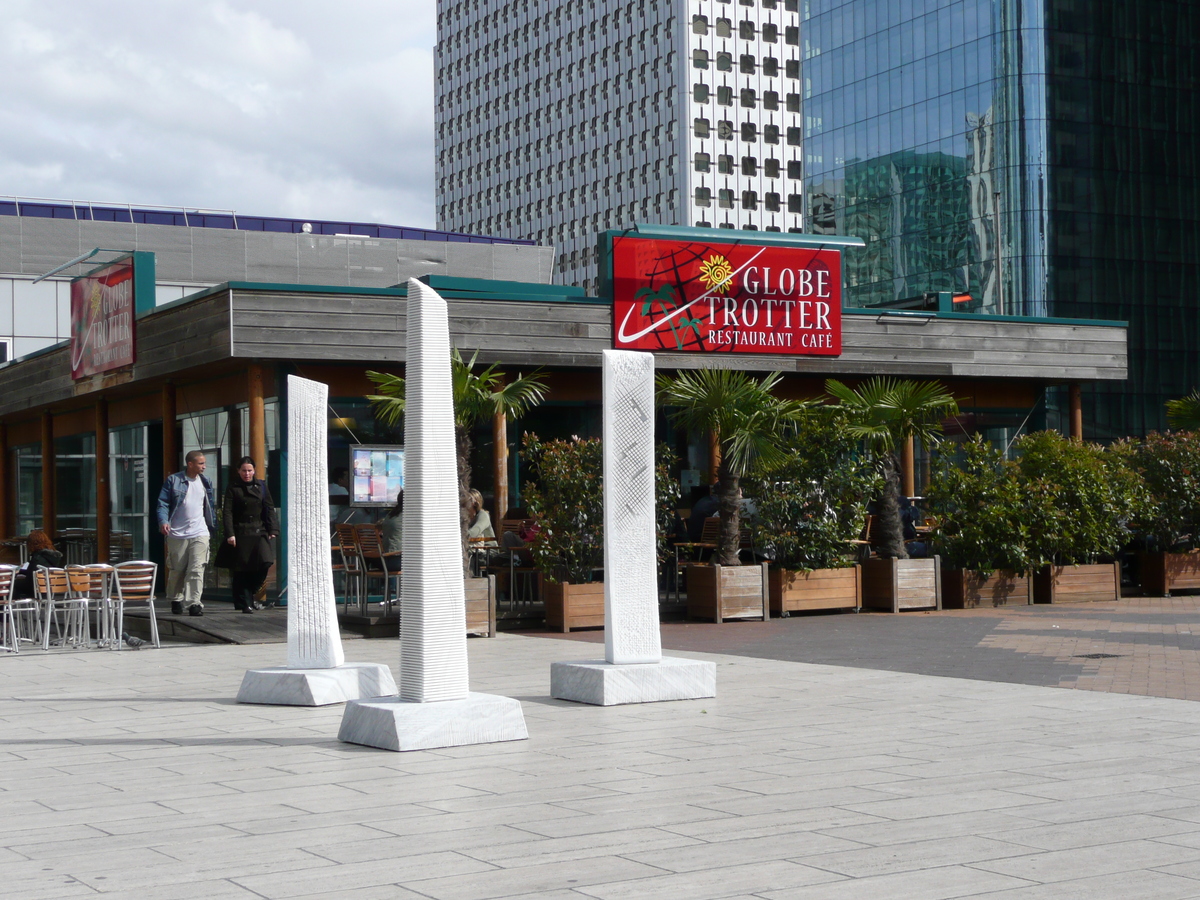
208 371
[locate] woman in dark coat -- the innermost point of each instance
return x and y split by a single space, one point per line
41 553
248 514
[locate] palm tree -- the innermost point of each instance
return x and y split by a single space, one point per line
478 396
745 419
884 414
1184 414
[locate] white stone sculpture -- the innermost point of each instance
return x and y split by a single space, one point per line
633 669
435 707
316 673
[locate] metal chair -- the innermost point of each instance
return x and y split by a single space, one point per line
9 639
375 564
52 589
710 536
351 565
93 584
135 585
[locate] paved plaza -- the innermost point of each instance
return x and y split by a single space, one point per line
135 774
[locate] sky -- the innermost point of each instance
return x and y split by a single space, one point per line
294 108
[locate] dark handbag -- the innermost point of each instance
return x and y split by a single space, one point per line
266 551
226 556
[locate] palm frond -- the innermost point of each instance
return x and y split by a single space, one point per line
1184 414
388 405
477 395
884 412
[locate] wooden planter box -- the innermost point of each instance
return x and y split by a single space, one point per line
896 584
481 606
1165 572
1077 584
570 606
967 589
727 592
819 589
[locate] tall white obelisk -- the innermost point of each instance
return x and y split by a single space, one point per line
633 669
435 707
317 673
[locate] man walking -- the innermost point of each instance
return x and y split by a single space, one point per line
186 518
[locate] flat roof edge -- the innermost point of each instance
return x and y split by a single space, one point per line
978 317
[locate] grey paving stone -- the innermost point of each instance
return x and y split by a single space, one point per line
1140 885
796 780
931 884
1085 862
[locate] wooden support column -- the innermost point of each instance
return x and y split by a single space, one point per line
500 464
1076 397
103 494
8 497
908 480
258 419
49 499
170 446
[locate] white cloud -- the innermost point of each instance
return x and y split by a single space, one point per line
270 107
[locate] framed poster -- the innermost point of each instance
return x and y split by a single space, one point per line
376 474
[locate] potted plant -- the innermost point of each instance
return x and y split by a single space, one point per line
1080 499
884 413
810 508
981 531
566 497
1170 465
745 420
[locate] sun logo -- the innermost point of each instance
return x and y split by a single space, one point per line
717 274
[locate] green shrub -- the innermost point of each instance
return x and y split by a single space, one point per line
1079 498
566 497
981 510
1170 465
814 502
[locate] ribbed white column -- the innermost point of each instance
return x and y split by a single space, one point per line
631 632
433 627
313 638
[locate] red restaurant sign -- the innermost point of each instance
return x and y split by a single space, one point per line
102 320
726 297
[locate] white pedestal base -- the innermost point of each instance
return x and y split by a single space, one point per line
604 684
394 724
316 687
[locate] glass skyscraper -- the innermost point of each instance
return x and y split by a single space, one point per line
1039 155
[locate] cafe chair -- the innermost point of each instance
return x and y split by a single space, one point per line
350 566
52 589
9 639
135 587
376 564
93 584
697 551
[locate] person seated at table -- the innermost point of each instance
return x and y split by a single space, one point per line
704 507
391 532
41 552
479 526
910 517
520 538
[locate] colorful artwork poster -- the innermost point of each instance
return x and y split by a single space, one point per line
378 475
726 297
362 488
379 489
102 329
362 462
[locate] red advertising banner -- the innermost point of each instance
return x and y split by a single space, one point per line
712 297
102 320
